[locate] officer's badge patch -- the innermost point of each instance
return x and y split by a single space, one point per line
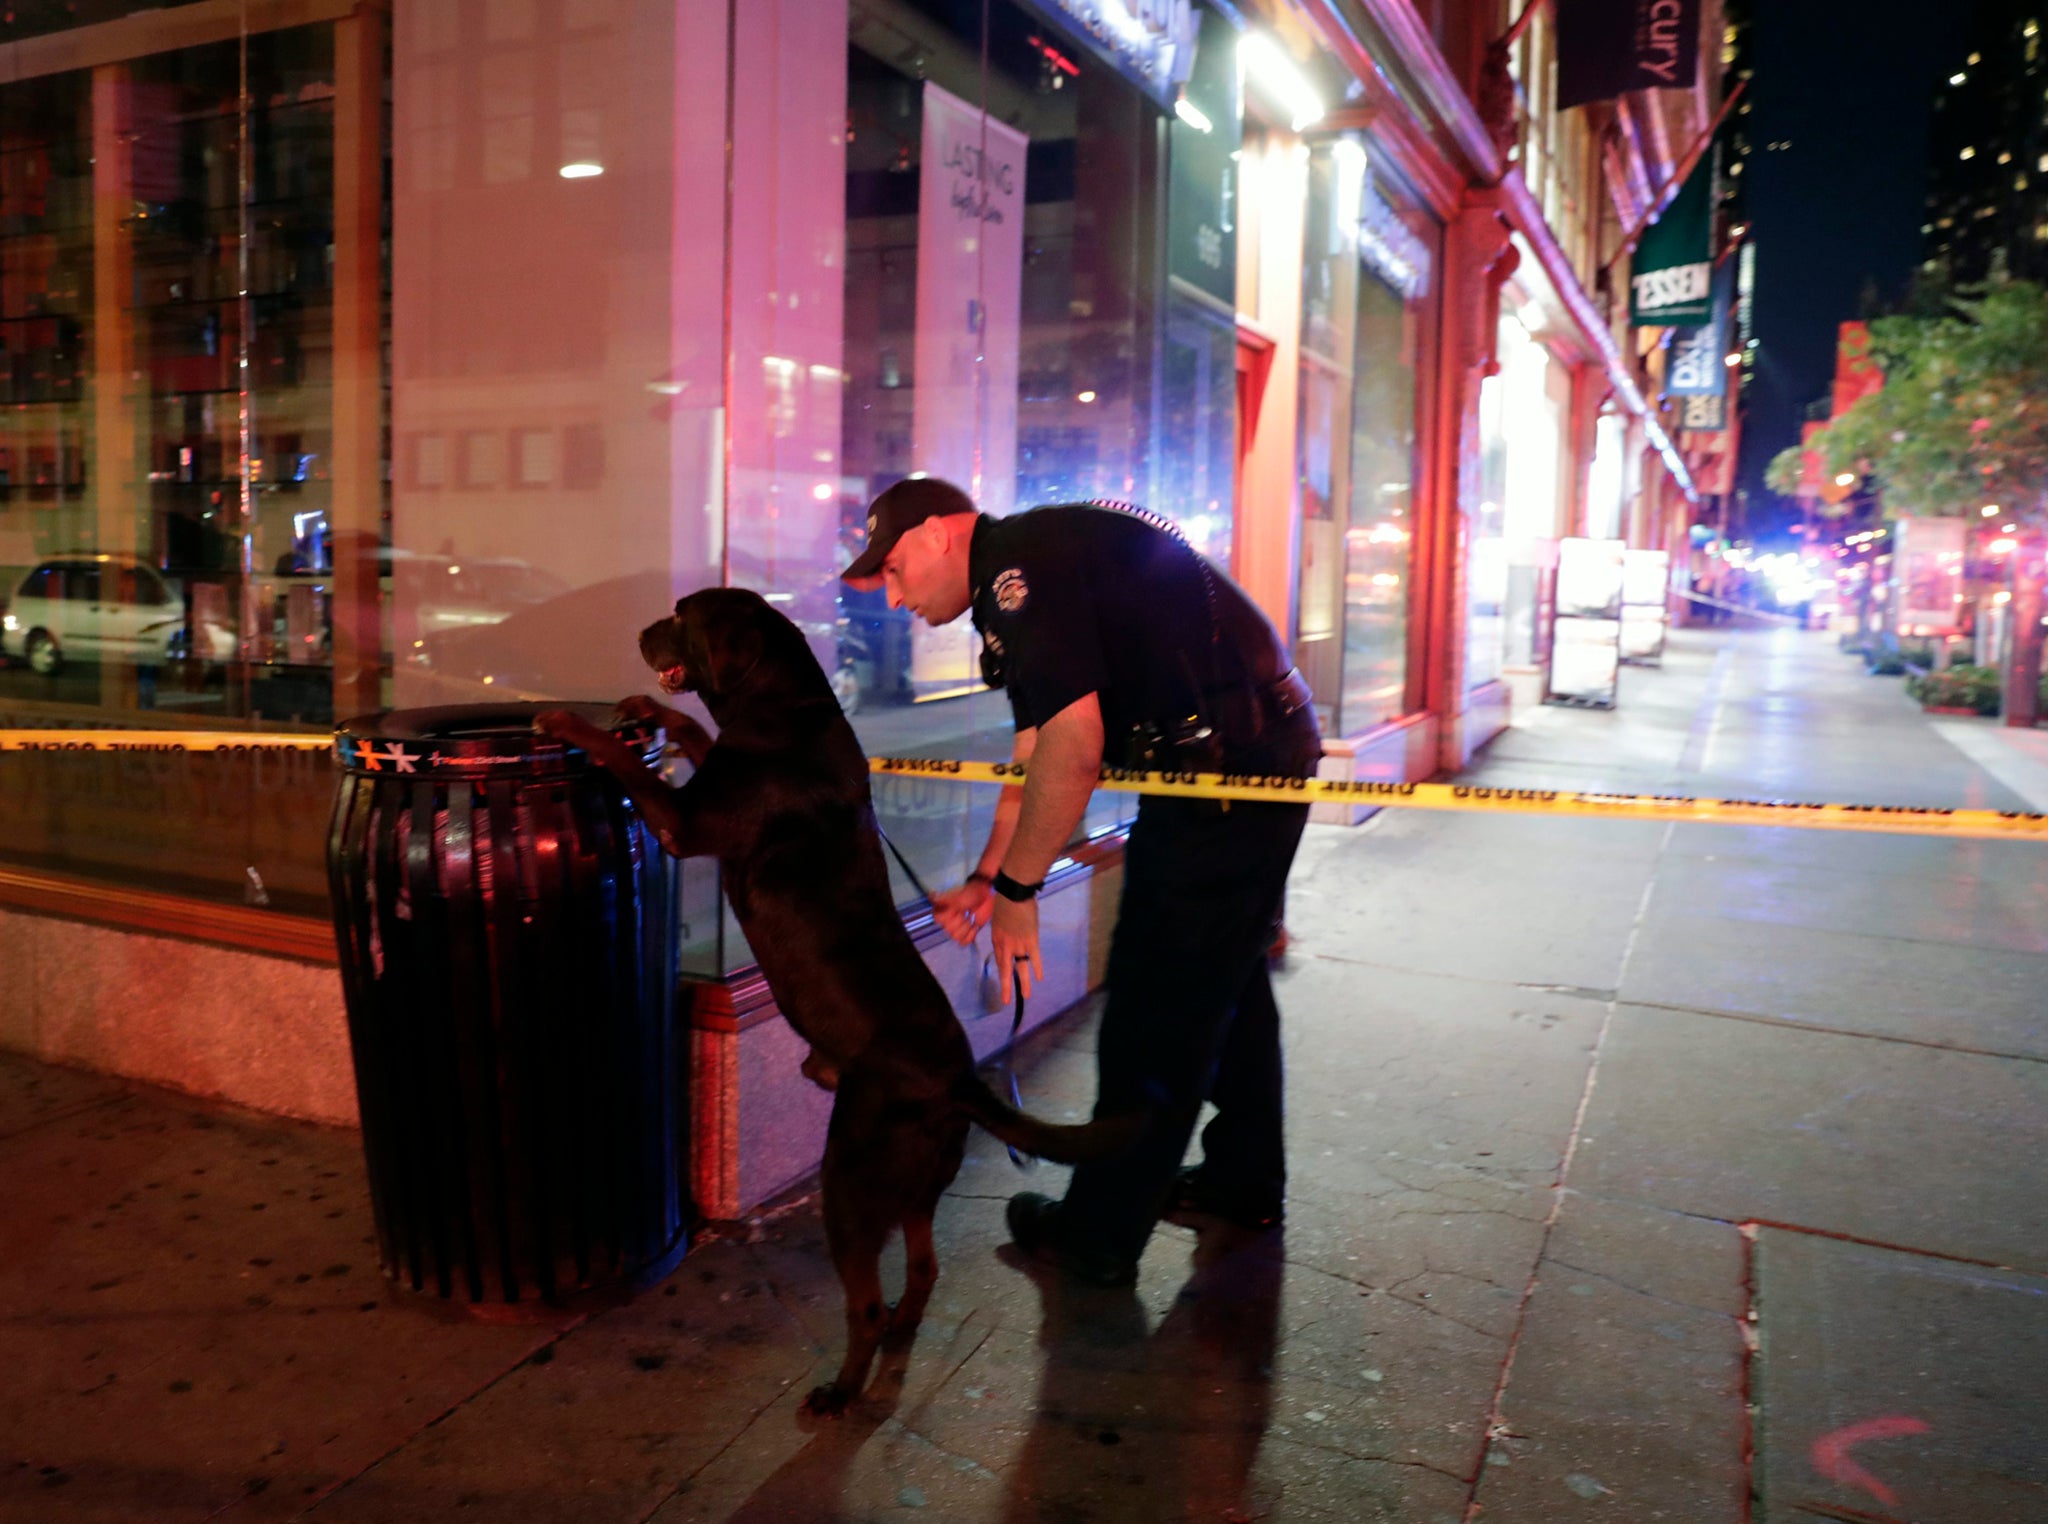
1011 591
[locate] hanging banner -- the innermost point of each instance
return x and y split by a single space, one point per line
970 271
1607 48
1714 444
1671 283
1698 362
1703 414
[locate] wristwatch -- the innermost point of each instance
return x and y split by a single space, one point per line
1010 889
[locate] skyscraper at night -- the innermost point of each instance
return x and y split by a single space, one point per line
1987 193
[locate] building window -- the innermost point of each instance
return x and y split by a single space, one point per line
483 458
533 457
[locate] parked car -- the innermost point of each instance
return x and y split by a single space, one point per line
93 606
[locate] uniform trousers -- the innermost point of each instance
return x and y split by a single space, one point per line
1189 1013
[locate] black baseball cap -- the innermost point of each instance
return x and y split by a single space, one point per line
897 511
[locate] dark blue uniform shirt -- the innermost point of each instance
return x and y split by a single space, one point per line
1085 598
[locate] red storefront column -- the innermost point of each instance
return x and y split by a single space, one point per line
1478 258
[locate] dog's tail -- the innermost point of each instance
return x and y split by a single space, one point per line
1074 1143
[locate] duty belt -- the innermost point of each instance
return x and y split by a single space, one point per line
1284 697
1246 717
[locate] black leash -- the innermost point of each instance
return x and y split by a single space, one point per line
1018 1158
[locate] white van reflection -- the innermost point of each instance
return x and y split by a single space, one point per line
101 606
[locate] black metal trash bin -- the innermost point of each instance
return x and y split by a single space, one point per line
507 930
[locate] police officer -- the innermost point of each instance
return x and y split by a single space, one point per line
1116 642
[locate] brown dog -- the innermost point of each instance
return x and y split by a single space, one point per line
781 800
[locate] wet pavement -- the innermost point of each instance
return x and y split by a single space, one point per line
1642 1171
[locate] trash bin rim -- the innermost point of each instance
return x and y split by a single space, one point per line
471 740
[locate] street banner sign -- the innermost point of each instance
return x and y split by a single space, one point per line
1697 365
1703 415
1671 283
1713 444
1607 48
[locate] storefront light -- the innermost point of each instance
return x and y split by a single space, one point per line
1349 158
1084 396
1991 510
1277 76
582 169
1193 115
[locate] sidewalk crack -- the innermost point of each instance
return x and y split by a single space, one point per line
1368 1457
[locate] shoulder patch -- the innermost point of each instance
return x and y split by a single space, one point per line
1011 590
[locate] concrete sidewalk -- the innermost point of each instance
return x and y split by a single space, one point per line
1642 1171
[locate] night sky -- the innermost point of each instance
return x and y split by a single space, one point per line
1851 86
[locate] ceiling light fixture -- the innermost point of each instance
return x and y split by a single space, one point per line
1280 78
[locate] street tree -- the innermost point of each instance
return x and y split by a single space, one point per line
1961 423
1785 474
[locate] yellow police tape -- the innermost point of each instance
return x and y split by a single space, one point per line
1901 819
1895 819
169 741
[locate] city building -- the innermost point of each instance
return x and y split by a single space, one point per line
1987 190
421 352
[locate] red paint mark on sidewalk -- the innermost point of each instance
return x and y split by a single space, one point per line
1832 1460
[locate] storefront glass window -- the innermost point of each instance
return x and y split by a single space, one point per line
563 332
558 327
1486 561
1537 403
1365 277
172 370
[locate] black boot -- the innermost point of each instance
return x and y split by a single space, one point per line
1191 1196
1036 1229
